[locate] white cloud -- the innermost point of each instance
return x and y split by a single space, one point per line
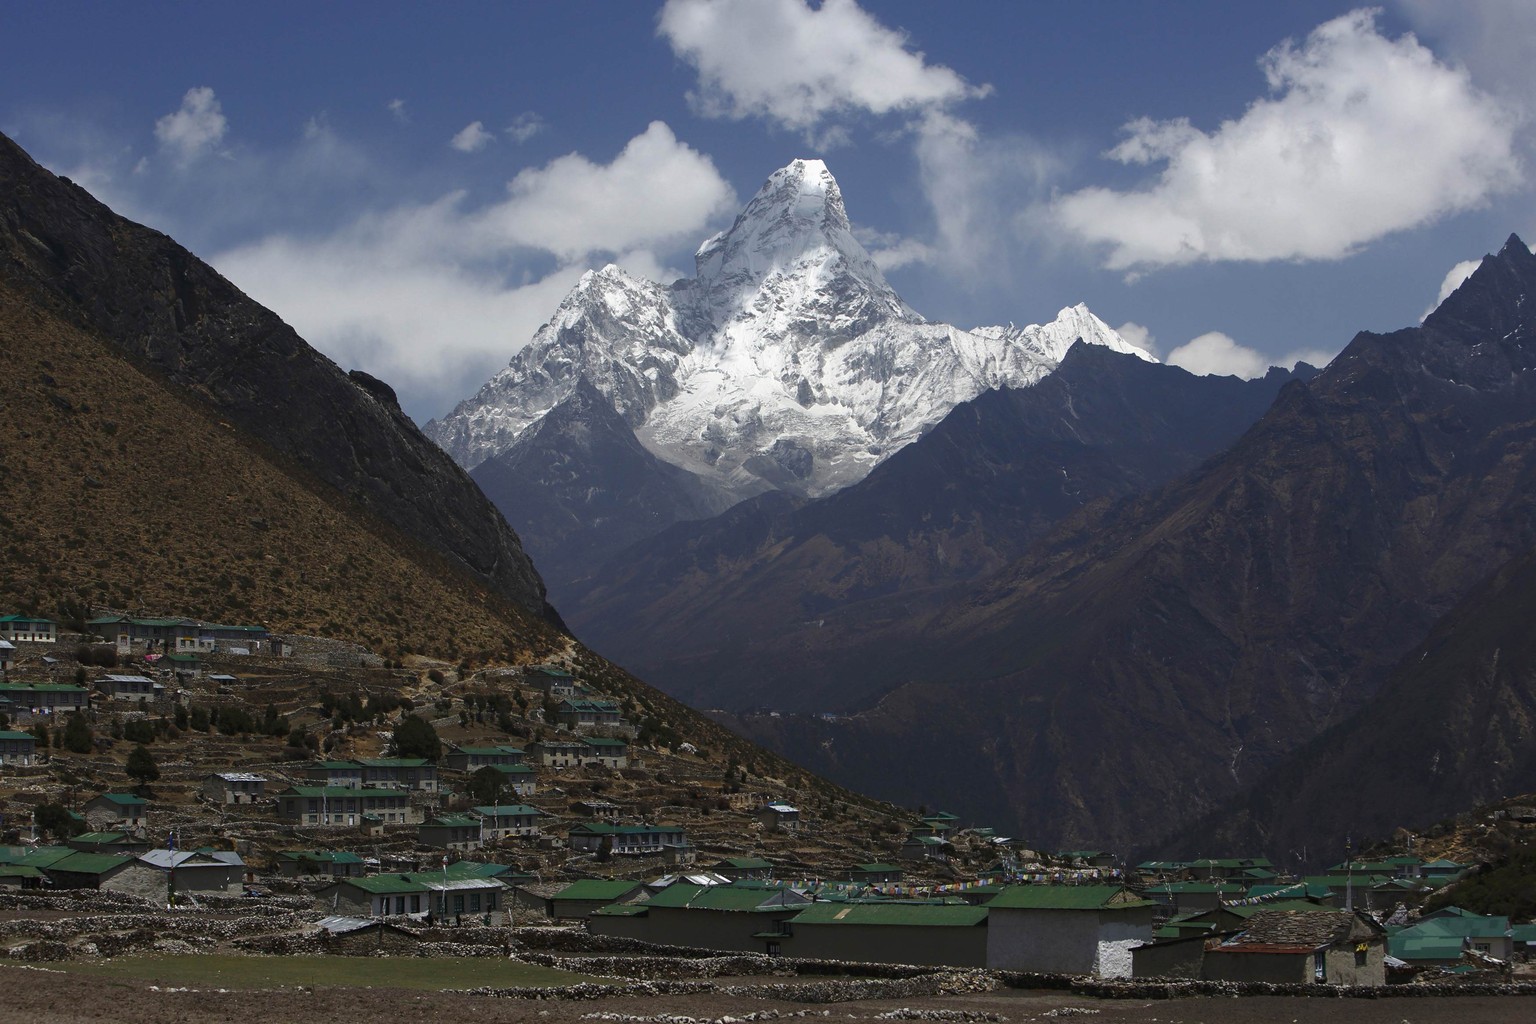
1362 136
656 189
1217 354
968 179
800 66
193 130
1453 278
433 298
525 126
1139 336
396 108
471 138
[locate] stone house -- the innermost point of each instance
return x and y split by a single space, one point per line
610 753
52 698
896 933
577 713
131 687
28 629
626 840
365 936
335 773
335 863
778 815
1337 947
232 788
413 773
520 779
156 873
926 848
738 868
876 873
556 682
558 753
86 870
451 832
582 898
502 821
1067 929
117 811
723 917
7 655
472 759
423 892
17 748
342 805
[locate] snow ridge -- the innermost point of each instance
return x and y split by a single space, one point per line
787 361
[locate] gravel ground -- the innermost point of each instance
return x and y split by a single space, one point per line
41 996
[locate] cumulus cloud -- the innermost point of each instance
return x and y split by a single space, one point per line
1217 354
525 126
472 138
1453 278
434 297
396 108
802 66
656 189
1361 136
193 130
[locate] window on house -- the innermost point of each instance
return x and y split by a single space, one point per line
399 904
1360 958
474 903
416 904
458 904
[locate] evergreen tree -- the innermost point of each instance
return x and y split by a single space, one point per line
77 735
415 737
141 766
486 786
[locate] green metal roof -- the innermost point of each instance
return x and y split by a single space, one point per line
12 734
1067 897
682 895
884 868
452 821
342 791
600 741
513 769
123 799
26 618
1425 947
622 910
99 838
926 915
747 863
37 856
506 810
336 765
393 762
321 856
89 863
603 889
417 881
40 688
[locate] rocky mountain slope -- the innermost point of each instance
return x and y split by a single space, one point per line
169 311
786 363
718 611
1454 724
1145 662
131 484
583 487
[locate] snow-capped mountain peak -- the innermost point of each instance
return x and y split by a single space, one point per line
788 362
796 227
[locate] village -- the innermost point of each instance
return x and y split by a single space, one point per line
357 805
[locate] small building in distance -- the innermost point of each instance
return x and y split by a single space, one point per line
232 788
122 811
1337 947
130 687
551 679
28 629
17 748
778 814
342 805
1067 929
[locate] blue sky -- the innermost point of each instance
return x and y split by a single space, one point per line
415 188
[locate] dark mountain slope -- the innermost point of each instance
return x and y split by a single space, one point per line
578 486
175 314
709 608
1138 667
1454 725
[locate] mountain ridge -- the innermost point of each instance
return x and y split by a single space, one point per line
788 362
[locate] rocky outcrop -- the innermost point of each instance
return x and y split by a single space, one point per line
174 314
